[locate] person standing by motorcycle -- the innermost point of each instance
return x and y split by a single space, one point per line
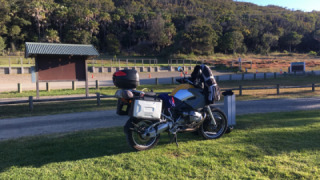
202 76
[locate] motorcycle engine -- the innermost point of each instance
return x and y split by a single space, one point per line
193 117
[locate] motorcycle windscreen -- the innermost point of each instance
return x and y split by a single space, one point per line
183 94
181 86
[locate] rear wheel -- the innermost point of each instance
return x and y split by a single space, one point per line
208 130
134 132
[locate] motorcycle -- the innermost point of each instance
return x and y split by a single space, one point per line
185 111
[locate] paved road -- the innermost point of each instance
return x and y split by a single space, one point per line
29 126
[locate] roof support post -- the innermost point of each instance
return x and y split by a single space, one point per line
87 86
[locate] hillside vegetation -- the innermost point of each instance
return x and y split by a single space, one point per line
159 27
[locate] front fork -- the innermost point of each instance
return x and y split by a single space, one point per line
211 116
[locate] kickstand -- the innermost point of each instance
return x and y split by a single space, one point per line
175 138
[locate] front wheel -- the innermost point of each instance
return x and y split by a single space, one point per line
208 130
134 132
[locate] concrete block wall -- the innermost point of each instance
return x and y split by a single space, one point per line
27 70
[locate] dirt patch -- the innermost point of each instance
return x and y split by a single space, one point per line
272 63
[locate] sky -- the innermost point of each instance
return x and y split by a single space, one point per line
303 5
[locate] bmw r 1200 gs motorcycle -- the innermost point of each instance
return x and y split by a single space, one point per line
150 115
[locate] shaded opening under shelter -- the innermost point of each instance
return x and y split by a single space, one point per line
56 62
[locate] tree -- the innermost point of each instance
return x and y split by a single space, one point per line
60 15
316 36
237 41
4 16
14 33
2 45
79 37
40 11
292 39
113 45
161 32
269 40
233 41
200 38
51 36
225 42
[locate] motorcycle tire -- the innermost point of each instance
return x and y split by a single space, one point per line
134 138
229 129
208 130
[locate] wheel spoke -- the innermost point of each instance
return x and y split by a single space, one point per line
135 138
212 132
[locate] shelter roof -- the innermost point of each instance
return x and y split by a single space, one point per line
33 49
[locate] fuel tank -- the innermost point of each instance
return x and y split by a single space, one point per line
192 97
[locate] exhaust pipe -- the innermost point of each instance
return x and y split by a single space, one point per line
157 130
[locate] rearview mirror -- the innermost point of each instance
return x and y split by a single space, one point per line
180 69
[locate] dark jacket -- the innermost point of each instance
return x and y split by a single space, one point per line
202 74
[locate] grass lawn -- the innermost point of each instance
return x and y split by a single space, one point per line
264 146
50 108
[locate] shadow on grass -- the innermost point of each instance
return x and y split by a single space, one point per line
42 150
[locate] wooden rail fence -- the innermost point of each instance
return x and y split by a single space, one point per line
98 96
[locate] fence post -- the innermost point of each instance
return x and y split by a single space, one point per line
242 77
254 76
97 84
21 61
9 65
98 99
31 103
313 87
74 85
19 88
275 75
240 90
265 76
278 89
48 86
157 81
230 77
172 80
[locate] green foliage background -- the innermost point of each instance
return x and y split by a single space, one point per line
159 27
